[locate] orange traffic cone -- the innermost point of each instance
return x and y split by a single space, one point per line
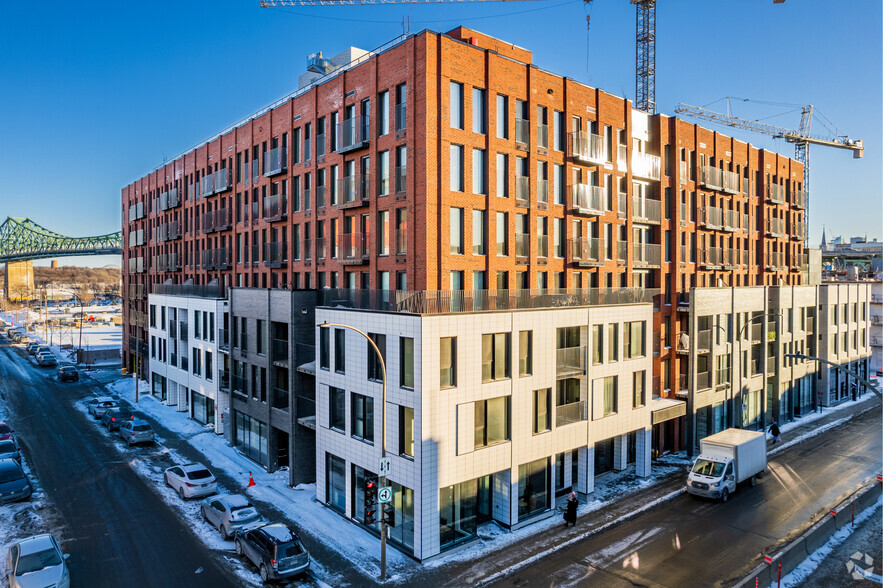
250 480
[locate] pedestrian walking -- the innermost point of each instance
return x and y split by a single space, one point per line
570 510
774 431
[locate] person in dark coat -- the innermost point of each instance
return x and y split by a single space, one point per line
570 510
774 431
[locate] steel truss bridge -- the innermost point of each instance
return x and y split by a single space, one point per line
22 239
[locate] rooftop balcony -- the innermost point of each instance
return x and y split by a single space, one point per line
587 200
587 147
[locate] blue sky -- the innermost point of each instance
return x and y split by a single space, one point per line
96 94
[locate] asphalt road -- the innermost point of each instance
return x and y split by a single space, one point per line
117 529
694 542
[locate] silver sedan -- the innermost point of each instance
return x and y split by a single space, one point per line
229 512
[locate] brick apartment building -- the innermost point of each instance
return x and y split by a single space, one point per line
451 162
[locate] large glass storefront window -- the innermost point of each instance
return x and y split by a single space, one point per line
159 386
335 482
533 487
203 408
603 456
403 532
251 438
458 513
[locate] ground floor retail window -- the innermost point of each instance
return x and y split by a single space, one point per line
360 478
251 439
533 488
403 532
335 482
159 386
603 456
203 409
461 508
752 409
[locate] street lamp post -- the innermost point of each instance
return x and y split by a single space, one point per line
382 480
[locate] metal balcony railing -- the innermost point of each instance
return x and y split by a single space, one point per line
710 177
622 251
775 260
711 217
542 246
570 361
274 253
646 255
352 133
237 385
775 227
731 220
645 210
574 412
223 180
730 182
622 200
798 199
587 147
542 136
775 194
711 257
207 185
353 190
586 199
522 131
272 208
522 191
682 168
622 157
646 166
542 194
731 258
797 231
585 251
522 245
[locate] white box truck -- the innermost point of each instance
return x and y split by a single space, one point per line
726 459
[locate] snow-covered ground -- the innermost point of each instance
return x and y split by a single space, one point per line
64 340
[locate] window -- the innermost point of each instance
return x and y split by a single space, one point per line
533 488
259 336
208 365
542 409
639 397
613 342
502 228
542 127
605 395
502 116
597 344
633 343
337 408
324 349
456 229
502 175
558 225
560 135
383 113
479 235
495 356
479 172
383 173
406 431
375 372
383 233
525 353
456 181
456 106
363 417
448 362
406 362
558 176
401 168
491 421
479 114
339 351
401 108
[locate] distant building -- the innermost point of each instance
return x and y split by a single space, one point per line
18 280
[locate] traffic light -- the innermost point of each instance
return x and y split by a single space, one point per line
370 501
389 514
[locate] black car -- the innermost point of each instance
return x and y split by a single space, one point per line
275 549
67 373
112 418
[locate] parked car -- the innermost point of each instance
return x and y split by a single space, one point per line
6 432
40 348
228 513
98 400
14 483
114 417
191 480
37 562
16 336
47 360
275 549
32 347
98 409
136 431
67 372
9 450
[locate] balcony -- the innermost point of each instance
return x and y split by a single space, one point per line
522 245
585 252
587 147
646 211
280 353
522 131
731 258
275 255
731 182
622 158
353 191
542 194
703 381
797 232
542 246
542 136
682 168
711 218
354 249
320 197
645 255
710 177
224 339
207 185
223 219
775 194
587 200
622 200
711 258
775 227
168 200
352 134
722 377
223 180
223 380
522 191
274 161
570 361
574 412
731 221
273 208
775 261
320 147
683 346
798 199
320 248
622 252
646 166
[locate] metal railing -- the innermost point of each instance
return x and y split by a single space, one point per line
320 196
280 349
353 190
273 208
775 260
646 210
711 217
798 199
710 177
542 194
274 161
711 257
574 412
622 199
587 147
203 291
570 361
542 246
274 254
797 231
522 244
354 246
775 194
646 166
731 220
522 131
622 157
352 133
703 340
320 145
542 136
522 191
775 227
584 250
646 255
587 199
730 182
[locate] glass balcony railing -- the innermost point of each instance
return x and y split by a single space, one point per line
401 116
622 157
711 217
274 254
272 208
587 147
522 191
542 194
353 190
798 199
711 177
775 227
542 136
223 180
522 245
542 246
274 161
522 131
354 247
645 210
731 220
352 134
573 412
646 255
775 194
711 257
646 166
585 250
730 182
570 361
586 199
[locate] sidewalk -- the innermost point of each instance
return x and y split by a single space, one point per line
348 554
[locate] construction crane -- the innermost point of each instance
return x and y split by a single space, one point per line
645 37
801 137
